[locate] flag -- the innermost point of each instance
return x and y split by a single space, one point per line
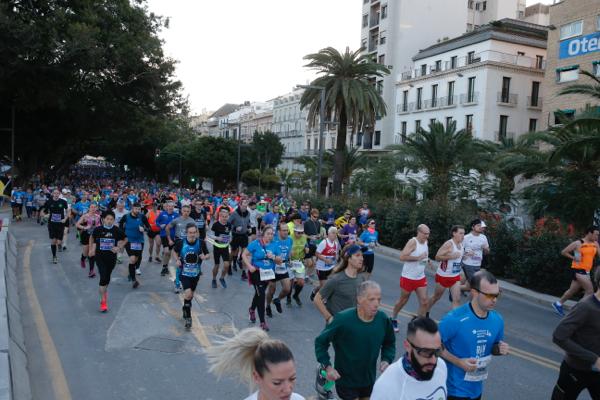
5 186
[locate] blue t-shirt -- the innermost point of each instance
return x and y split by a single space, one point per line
82 207
272 219
329 218
28 199
131 226
164 218
367 237
465 335
190 258
131 200
259 254
303 215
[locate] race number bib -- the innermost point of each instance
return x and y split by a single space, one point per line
456 267
106 244
481 373
225 238
136 246
266 274
29 204
281 269
56 217
329 260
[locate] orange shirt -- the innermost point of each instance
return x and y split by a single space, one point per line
588 253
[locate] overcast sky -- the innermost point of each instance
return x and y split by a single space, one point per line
237 50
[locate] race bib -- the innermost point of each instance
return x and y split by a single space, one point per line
19 201
481 373
281 269
225 238
191 270
329 260
56 217
135 246
456 267
29 204
107 244
266 274
200 224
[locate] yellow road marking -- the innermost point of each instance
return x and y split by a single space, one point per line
54 366
525 355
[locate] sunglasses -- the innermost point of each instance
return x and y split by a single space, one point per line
371 223
425 352
489 296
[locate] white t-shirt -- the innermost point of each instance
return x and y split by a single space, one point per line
329 250
254 396
396 384
415 270
474 244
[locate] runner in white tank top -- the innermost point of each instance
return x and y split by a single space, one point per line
448 273
415 257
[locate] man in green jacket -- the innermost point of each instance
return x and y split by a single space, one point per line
358 336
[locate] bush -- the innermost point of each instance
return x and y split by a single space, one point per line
505 239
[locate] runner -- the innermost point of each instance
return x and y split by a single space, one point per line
119 212
57 210
297 268
282 272
582 252
448 272
105 242
39 201
577 334
134 225
240 225
415 256
339 291
476 245
179 225
198 213
260 361
221 237
271 218
471 334
359 336
163 220
154 233
363 214
369 238
190 253
329 218
343 220
327 254
259 258
86 225
349 232
29 209
254 216
420 373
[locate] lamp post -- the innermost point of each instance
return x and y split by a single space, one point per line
158 153
322 123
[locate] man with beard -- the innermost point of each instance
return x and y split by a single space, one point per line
420 373
471 334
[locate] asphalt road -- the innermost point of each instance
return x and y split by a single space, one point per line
140 349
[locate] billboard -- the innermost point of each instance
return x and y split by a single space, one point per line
579 46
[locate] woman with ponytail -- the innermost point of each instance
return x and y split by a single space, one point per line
260 362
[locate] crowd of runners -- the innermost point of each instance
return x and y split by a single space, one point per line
280 247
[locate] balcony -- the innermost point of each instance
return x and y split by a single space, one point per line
507 99
374 21
402 109
447 102
535 103
311 152
431 104
467 99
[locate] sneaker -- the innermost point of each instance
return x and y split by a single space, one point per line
277 303
103 307
312 296
164 271
288 301
82 263
64 248
177 288
269 312
157 259
229 272
244 275
558 308
297 299
188 323
138 271
136 284
252 315
223 283
395 325
264 326
150 259
92 274
55 260
235 267
214 284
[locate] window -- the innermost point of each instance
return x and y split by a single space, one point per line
503 127
532 125
381 59
359 138
403 131
539 62
571 30
419 98
477 6
471 4
470 57
567 74
316 143
484 5
405 101
448 121
535 94
307 144
423 69
505 90
450 93
380 87
432 121
365 21
417 125
382 40
377 138
471 90
332 142
469 123
434 95
453 62
563 116
438 65
596 68
384 12
363 44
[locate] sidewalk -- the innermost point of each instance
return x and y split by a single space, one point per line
530 295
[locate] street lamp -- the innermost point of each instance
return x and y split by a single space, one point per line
321 130
158 153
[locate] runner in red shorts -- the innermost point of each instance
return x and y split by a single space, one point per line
448 273
415 256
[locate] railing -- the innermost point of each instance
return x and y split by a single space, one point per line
469 99
311 152
507 99
402 108
449 101
431 104
372 45
535 102
374 20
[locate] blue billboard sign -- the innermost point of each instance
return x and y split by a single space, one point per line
580 46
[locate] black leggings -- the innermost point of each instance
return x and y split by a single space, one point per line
260 298
105 268
571 382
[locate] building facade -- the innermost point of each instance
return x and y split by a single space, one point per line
488 81
394 31
573 46
289 124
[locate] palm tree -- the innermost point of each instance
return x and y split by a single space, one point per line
351 97
590 89
353 159
287 177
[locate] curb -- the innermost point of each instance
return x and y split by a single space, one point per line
508 287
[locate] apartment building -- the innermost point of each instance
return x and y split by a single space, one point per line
394 31
573 46
488 81
289 123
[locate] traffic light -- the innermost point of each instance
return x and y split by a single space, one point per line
193 179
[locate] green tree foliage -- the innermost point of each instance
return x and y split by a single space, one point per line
589 89
268 149
378 180
351 99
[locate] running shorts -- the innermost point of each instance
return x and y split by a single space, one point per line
56 230
152 234
220 253
323 275
346 393
239 241
368 262
470 270
578 271
134 253
410 285
84 237
188 282
280 277
105 269
165 243
447 281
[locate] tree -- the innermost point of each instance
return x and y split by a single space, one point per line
351 97
268 149
378 180
288 178
589 89
352 160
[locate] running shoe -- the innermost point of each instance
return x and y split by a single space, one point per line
244 275
395 325
64 248
264 326
188 323
277 303
297 299
312 296
288 300
54 260
103 307
223 283
136 284
269 312
138 271
82 264
214 284
150 259
558 308
252 315
177 288
157 259
164 271
92 274
229 272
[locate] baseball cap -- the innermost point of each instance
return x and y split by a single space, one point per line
354 249
299 228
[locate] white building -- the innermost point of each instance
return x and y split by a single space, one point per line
488 81
289 123
395 30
